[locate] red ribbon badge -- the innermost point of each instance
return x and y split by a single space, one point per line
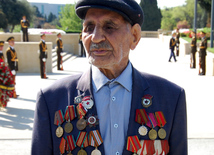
70 143
141 116
81 110
82 140
70 113
160 118
95 138
62 145
152 123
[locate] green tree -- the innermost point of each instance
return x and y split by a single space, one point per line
167 22
4 22
51 17
14 10
152 15
206 4
68 18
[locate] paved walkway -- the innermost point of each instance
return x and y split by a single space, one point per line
151 56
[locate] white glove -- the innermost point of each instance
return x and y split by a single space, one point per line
44 59
13 72
61 53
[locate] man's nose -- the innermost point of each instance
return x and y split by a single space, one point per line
98 35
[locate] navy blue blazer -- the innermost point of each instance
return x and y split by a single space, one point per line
167 97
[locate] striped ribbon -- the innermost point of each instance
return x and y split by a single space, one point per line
70 113
133 144
141 116
148 148
59 118
82 140
70 143
81 110
160 118
152 123
165 146
62 145
95 138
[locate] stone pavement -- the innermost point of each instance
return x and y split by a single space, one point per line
151 56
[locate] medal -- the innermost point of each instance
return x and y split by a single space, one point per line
82 141
152 134
147 100
69 153
92 120
78 99
161 133
81 124
81 110
81 152
133 144
96 152
71 144
58 120
152 123
87 102
59 131
70 114
161 122
62 146
142 130
95 140
68 127
141 118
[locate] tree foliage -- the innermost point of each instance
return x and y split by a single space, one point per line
206 4
68 18
4 22
152 15
14 10
183 16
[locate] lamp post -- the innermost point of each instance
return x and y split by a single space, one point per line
212 24
195 16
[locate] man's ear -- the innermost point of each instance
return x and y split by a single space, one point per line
136 33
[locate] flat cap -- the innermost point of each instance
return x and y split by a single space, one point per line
43 34
10 39
1 43
129 9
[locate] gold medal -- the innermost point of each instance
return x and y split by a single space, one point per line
142 130
161 133
69 153
96 152
59 132
82 152
68 127
81 124
152 134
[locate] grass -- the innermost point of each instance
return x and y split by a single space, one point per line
189 40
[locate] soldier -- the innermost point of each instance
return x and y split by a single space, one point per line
193 50
177 41
43 56
12 61
202 54
1 48
172 47
24 27
59 51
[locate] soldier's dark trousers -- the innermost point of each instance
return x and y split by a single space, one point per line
42 68
25 35
192 60
172 54
58 61
202 65
177 50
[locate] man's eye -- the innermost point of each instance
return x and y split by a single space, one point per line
89 28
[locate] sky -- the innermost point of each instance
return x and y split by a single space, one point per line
161 3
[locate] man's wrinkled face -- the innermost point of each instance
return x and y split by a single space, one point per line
106 38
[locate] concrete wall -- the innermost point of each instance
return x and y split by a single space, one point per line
28 56
70 41
149 34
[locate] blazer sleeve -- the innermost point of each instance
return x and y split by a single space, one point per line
9 61
178 135
41 139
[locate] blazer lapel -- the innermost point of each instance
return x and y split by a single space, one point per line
85 87
139 89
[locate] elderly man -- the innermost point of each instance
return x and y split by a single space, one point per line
112 108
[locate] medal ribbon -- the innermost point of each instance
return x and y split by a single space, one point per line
82 140
141 116
160 118
133 144
59 118
62 145
95 138
70 142
165 147
152 123
81 110
70 113
150 147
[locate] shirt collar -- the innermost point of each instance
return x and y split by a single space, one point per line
1 52
12 47
43 40
124 79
